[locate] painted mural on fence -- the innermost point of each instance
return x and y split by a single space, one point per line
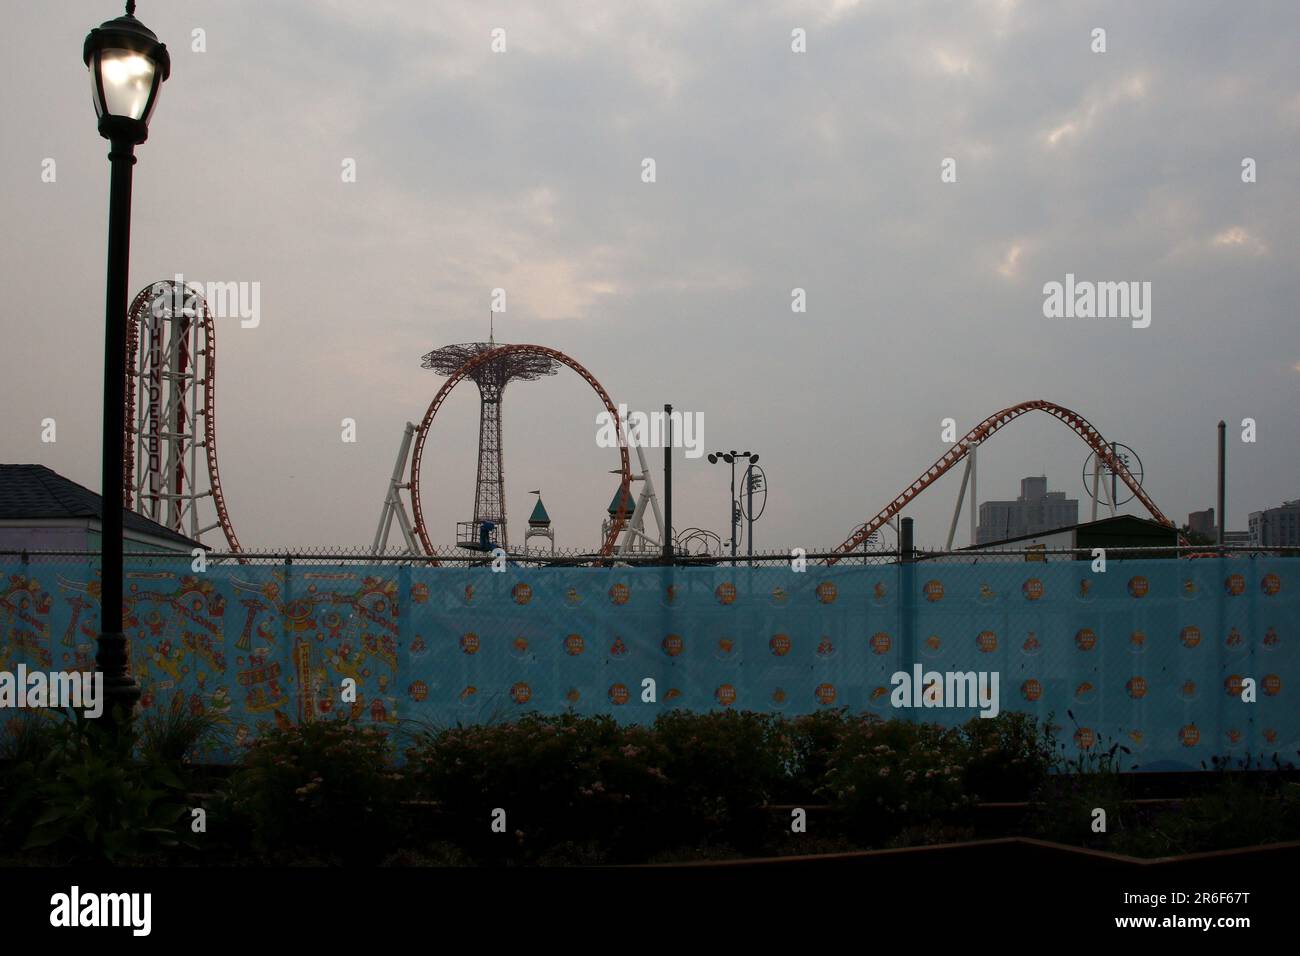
1149 653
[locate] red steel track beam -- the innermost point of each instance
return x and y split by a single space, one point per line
417 509
980 433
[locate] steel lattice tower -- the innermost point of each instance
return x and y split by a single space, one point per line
491 377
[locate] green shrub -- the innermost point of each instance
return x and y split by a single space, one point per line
886 776
566 784
328 789
1007 757
74 793
722 768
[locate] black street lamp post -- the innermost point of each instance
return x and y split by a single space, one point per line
730 458
127 68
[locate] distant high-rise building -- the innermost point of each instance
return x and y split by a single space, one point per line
1276 527
1036 510
1202 522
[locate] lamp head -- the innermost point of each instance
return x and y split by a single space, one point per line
127 67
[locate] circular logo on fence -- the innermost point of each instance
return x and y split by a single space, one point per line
618 648
1136 687
726 648
725 695
1189 735
1138 586
825 693
780 698
522 593
673 694
780 644
881 643
1137 642
779 596
620 593
1084 738
573 695
1234 641
420 593
1233 737
519 646
469 643
826 592
932 646
418 690
574 644
1235 585
1085 693
1032 645
1270 584
725 593
1085 639
1031 690
1188 690
619 694
673 645
1271 640
880 592
572 597
1233 685
1190 635
1032 589
878 697
1270 735
825 647
933 590
1272 685
986 641
521 693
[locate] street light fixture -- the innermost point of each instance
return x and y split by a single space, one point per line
127 68
730 458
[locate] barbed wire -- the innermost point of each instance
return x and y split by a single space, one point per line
451 556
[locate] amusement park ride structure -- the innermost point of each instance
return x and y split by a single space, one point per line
171 418
170 394
966 447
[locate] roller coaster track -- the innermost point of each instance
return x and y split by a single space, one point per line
977 436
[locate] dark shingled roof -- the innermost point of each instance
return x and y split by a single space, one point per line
34 492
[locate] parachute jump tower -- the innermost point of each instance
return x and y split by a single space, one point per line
488 527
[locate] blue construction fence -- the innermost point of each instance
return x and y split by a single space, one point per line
1153 654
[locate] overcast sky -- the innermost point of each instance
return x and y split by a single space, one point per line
775 170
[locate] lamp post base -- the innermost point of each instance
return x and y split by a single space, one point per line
121 692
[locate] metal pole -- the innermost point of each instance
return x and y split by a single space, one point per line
1223 472
667 531
749 490
120 688
732 505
